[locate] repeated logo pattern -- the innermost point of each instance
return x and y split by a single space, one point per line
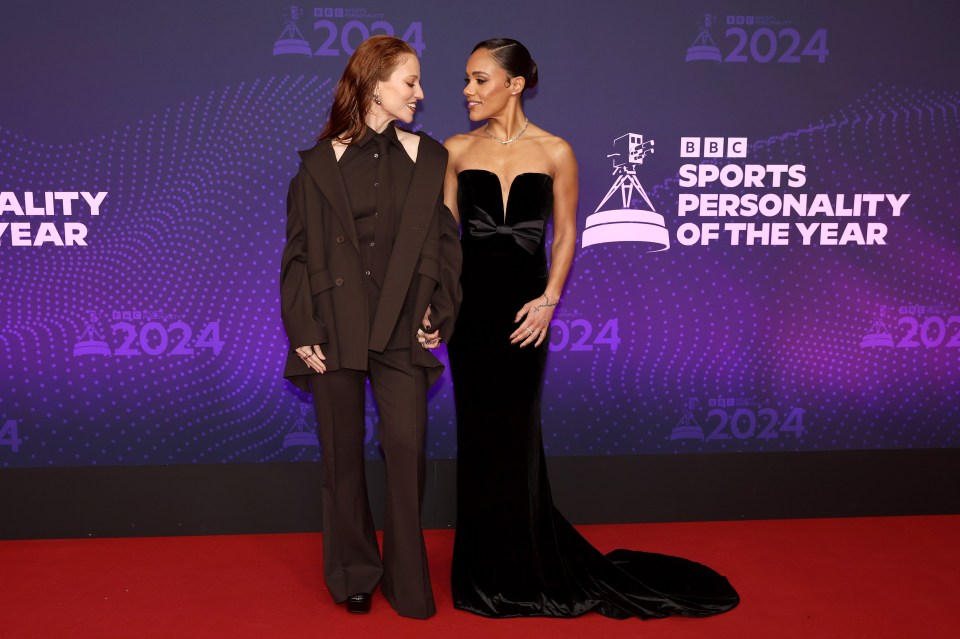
642 342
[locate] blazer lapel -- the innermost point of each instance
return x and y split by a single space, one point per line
420 205
321 164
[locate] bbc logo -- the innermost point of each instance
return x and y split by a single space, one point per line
713 147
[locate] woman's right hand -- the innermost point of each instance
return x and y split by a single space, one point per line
313 357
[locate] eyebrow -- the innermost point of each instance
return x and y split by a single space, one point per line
476 73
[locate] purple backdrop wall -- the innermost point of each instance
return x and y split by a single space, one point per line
777 272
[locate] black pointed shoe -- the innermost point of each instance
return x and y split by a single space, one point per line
359 603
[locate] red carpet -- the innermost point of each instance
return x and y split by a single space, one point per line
872 577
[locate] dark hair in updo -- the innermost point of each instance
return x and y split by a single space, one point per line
512 57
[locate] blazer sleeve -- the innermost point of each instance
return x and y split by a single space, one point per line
296 302
445 301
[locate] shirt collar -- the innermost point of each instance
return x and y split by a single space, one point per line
390 133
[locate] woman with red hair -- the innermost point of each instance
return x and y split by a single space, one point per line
369 285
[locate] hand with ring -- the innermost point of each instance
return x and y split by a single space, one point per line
429 341
534 319
313 357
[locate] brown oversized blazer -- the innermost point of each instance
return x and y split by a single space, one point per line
321 289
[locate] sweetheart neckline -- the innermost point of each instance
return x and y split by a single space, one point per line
505 204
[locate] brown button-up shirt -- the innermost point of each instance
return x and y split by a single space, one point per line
376 172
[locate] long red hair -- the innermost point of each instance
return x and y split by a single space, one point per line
375 59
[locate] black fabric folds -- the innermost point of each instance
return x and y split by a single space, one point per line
514 554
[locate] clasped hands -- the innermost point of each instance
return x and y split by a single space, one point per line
428 340
313 355
535 319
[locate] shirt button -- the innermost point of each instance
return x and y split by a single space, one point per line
340 239
373 243
366 272
339 281
376 155
376 184
376 214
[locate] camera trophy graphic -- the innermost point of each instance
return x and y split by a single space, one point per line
300 434
91 340
704 49
628 218
291 41
879 335
687 427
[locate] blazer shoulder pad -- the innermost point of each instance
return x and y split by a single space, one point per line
315 151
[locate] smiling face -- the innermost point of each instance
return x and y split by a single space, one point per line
400 92
488 87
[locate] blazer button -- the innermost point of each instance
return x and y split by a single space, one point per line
340 239
338 281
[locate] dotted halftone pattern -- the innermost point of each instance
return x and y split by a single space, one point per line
192 232
781 326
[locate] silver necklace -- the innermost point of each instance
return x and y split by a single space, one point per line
486 130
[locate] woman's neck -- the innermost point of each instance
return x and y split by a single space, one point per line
507 124
378 122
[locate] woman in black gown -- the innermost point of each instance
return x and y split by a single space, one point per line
514 554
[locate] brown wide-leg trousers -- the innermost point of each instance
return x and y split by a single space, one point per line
351 557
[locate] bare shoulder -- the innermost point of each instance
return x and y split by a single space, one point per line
554 147
339 148
412 142
408 139
460 141
459 145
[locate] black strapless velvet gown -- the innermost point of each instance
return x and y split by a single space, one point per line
514 554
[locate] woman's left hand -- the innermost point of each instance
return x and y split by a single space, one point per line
534 320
